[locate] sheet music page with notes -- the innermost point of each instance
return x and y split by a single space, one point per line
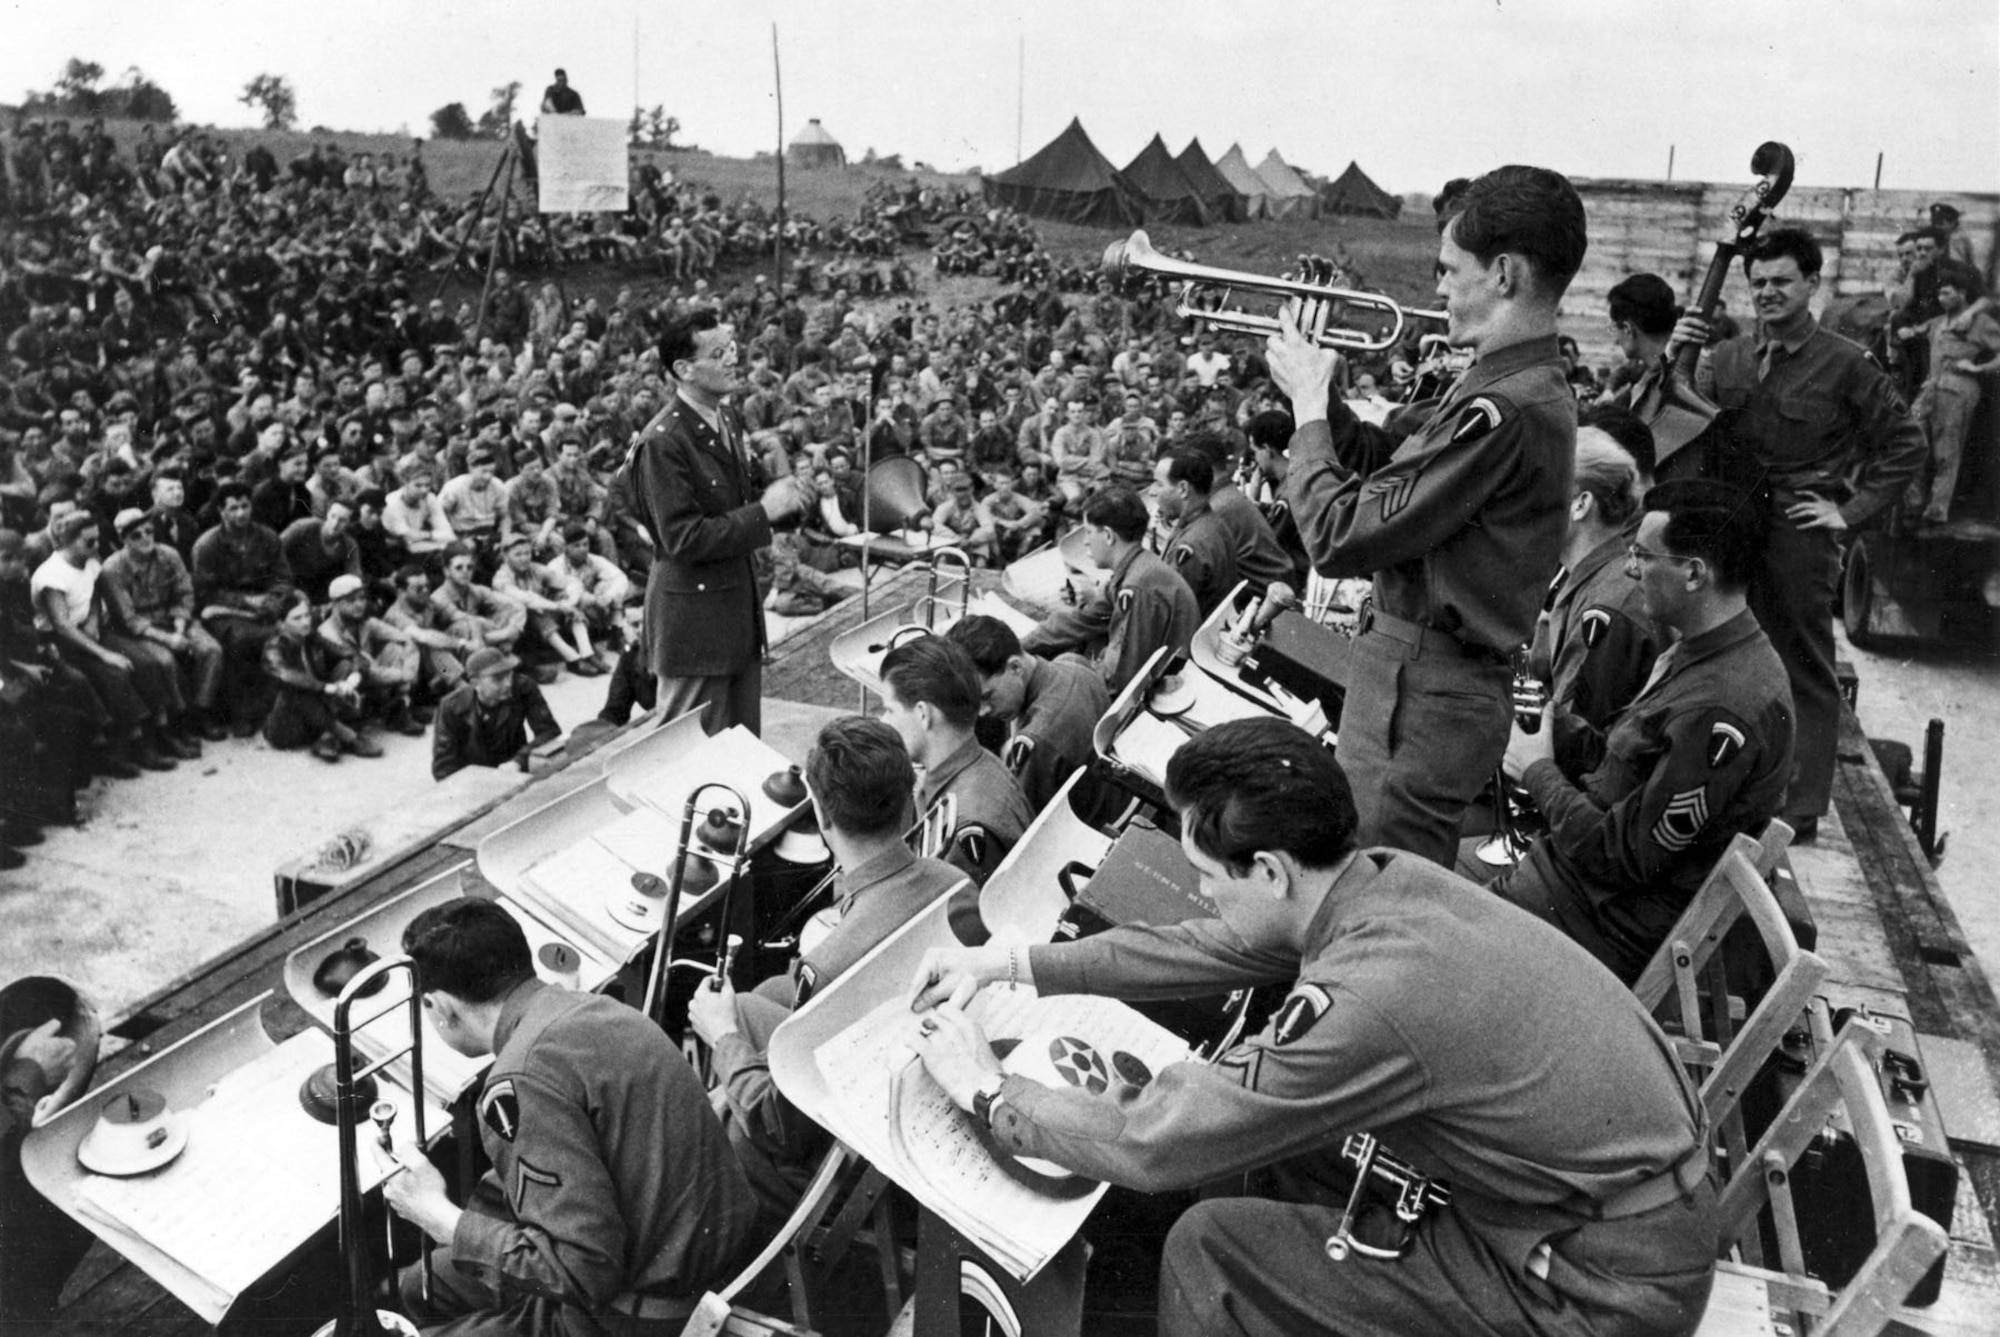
902 1121
258 1177
1148 743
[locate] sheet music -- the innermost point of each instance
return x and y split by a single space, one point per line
257 1178
1038 579
642 839
573 885
1148 743
992 605
1215 704
894 1114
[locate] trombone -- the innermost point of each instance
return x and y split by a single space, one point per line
1205 292
663 947
356 1314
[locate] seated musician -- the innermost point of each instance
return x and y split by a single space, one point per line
1703 752
1145 605
1050 706
1533 1087
1595 645
860 780
613 1203
930 696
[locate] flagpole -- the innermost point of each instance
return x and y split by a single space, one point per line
778 254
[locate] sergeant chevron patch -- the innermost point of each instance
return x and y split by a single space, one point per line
1685 815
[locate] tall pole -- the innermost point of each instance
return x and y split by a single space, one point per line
1670 162
1878 171
1020 93
778 82
499 239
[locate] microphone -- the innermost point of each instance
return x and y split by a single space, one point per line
1237 640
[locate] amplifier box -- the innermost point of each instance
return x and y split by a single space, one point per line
1830 1183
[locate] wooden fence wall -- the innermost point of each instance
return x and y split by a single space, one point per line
1669 228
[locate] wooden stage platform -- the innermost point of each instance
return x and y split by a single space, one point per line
1883 925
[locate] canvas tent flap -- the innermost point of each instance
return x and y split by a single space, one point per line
1225 205
1068 180
1169 196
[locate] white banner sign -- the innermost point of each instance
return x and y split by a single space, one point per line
581 163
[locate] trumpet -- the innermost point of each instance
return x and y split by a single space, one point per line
1205 292
356 1314
663 948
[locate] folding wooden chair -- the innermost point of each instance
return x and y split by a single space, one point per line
846 1194
1752 1299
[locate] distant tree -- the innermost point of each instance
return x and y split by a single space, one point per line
661 128
273 93
138 98
452 121
76 87
498 118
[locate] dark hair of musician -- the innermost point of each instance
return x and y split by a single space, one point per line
469 948
1262 784
1781 243
677 339
1715 522
1191 467
932 669
1119 510
1272 429
1628 429
1448 195
1529 211
1646 303
989 641
1210 444
860 776
1607 473
230 491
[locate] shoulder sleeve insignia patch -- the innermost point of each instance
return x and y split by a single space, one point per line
1596 623
1302 1008
1476 419
971 844
500 1109
1125 598
1724 742
1394 493
805 982
1017 752
1180 555
1681 820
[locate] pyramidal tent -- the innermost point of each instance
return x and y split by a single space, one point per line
1068 180
1290 194
1170 197
1353 193
1234 168
814 147
1224 204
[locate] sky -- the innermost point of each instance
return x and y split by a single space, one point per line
1417 91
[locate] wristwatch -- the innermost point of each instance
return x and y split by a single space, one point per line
987 1098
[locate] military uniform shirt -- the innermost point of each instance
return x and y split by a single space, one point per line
617 1174
1051 739
1595 649
1260 556
1201 550
1702 754
992 813
1461 524
1475 1041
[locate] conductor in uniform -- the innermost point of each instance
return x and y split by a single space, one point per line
613 1203
1825 433
697 493
1461 524
1535 1087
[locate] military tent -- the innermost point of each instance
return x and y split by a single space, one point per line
1290 195
1170 197
814 147
1353 193
1068 180
1224 204
1234 168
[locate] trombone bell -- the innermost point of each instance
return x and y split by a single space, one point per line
1205 292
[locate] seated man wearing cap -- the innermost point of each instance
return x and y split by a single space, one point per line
533 504
552 604
413 515
318 693
474 502
318 549
380 650
151 600
602 588
435 637
492 718
860 779
613 1203
963 516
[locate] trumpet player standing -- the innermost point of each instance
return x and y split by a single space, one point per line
1461 525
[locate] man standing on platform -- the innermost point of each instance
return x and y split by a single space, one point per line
697 496
1835 446
1461 524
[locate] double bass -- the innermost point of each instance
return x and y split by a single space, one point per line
1686 429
